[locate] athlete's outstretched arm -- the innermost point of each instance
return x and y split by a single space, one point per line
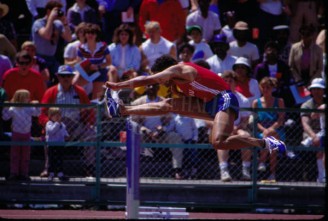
177 73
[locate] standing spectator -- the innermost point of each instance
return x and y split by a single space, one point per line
96 52
280 34
46 32
221 61
208 20
6 26
303 12
321 40
270 14
168 13
56 132
5 65
188 131
230 19
246 85
311 126
111 15
79 122
7 48
202 49
269 123
3 98
241 47
38 8
305 58
21 131
81 12
126 57
240 128
38 63
155 46
23 77
273 67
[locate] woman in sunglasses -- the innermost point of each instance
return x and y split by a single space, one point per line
93 58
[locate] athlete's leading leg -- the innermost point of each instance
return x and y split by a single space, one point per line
222 128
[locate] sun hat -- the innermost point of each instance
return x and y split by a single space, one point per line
65 70
194 27
317 83
241 25
4 8
243 61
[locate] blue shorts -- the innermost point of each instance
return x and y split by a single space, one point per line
223 101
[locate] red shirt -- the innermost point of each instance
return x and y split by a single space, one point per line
33 82
169 14
206 85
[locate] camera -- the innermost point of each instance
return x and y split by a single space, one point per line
60 13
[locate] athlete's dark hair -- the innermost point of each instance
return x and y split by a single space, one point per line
162 63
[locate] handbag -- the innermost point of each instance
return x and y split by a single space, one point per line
300 92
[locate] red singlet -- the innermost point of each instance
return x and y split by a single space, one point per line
206 85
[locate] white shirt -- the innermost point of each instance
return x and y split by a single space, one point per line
201 46
249 50
219 66
56 131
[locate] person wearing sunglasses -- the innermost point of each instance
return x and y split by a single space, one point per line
24 77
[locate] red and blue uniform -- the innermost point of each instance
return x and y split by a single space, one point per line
212 89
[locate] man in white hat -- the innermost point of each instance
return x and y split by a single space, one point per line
311 126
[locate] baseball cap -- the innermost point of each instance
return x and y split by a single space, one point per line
65 70
317 83
194 27
219 38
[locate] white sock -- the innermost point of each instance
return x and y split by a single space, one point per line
321 169
224 165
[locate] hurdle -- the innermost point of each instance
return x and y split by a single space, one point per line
133 209
132 169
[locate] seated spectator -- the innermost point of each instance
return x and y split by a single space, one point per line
21 131
240 128
242 47
38 63
203 17
126 57
305 58
7 48
56 132
220 61
185 52
24 77
96 53
6 26
311 126
81 12
46 33
269 123
202 49
246 85
155 46
79 122
5 65
273 67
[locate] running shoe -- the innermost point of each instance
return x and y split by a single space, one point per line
112 106
273 144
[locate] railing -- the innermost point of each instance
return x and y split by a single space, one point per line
96 156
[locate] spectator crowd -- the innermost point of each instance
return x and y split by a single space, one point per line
270 52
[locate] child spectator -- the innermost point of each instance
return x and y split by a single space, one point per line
55 131
21 131
202 49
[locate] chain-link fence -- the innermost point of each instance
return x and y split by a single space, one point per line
98 149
